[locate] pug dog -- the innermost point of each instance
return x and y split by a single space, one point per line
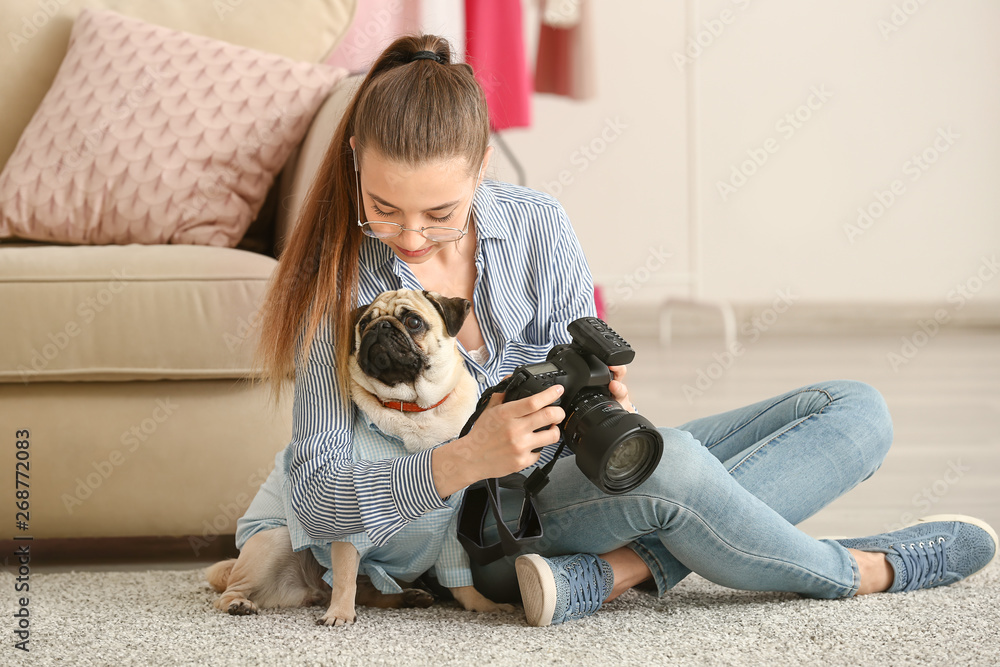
407 375
406 372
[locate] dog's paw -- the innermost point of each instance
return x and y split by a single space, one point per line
242 608
336 618
473 600
415 597
494 608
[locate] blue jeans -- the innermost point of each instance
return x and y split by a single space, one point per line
726 496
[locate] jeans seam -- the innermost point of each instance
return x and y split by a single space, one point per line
778 435
766 408
855 575
710 529
655 569
798 567
772 439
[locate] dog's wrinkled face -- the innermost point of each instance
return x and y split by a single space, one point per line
396 336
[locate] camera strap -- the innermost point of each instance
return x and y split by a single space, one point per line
483 498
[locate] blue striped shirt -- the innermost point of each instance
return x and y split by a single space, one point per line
532 281
430 543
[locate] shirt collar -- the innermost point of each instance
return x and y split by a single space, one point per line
374 253
372 426
490 224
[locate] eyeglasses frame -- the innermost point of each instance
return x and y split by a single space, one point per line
464 231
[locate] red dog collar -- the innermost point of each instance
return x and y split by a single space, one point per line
411 407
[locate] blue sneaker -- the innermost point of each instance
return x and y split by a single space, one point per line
564 588
935 551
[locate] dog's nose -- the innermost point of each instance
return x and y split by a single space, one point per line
384 324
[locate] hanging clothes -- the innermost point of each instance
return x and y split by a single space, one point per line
378 22
494 46
565 61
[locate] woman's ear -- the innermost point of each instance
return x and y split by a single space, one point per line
486 165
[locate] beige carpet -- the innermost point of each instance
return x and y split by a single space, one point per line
167 618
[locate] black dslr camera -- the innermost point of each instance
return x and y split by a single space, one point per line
617 450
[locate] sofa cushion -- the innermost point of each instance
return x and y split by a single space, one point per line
150 135
132 312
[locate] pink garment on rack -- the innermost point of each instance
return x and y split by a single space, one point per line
494 46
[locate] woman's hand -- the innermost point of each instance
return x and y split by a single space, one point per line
618 389
502 441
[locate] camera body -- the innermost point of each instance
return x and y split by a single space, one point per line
617 450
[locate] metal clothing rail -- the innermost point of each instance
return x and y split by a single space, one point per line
695 279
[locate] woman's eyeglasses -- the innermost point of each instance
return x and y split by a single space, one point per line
389 230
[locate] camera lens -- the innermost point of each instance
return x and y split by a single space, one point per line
615 449
627 459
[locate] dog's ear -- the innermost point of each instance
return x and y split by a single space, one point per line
355 317
453 310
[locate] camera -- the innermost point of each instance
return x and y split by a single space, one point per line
617 450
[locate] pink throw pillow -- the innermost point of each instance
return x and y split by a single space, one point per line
150 135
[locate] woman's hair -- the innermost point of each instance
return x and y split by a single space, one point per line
409 111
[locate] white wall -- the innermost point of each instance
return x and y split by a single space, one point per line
893 77
622 155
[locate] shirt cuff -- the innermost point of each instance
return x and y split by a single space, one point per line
413 480
452 568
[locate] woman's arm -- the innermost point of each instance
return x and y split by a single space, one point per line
332 495
502 441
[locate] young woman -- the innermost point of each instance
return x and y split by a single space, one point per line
400 202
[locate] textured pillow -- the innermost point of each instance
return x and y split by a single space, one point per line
150 135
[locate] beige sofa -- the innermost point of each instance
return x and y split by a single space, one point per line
125 366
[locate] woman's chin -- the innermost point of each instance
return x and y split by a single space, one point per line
415 257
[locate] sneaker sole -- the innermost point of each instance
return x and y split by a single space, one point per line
538 589
966 519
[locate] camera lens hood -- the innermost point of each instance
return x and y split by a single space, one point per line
615 449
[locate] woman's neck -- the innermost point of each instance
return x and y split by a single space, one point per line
452 265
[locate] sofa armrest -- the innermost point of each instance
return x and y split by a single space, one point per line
301 168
